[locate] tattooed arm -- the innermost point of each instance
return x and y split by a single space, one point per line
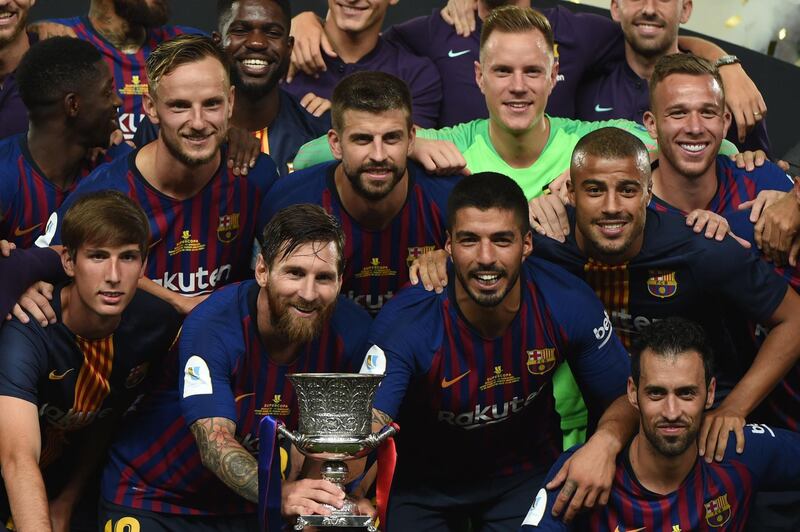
222 454
379 419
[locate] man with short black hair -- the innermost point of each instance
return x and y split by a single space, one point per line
72 107
660 483
469 373
126 32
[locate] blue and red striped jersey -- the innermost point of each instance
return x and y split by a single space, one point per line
27 196
197 243
78 383
128 70
734 187
225 371
715 496
680 273
476 407
376 261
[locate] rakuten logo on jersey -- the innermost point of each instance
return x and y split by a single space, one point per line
129 123
369 302
192 283
482 416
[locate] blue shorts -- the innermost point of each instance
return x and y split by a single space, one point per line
484 505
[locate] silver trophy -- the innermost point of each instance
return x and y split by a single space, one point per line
335 425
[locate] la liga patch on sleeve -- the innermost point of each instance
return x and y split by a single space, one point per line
536 512
196 377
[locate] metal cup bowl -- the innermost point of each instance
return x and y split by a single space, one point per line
335 409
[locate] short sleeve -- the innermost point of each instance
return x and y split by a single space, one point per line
771 454
23 359
205 368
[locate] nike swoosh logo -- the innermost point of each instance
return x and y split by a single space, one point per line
598 109
448 383
154 243
22 232
631 530
451 53
240 397
56 377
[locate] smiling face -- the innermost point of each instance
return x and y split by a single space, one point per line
373 148
257 39
610 198
192 105
651 26
98 107
487 248
690 121
13 18
105 277
516 75
355 16
301 289
671 396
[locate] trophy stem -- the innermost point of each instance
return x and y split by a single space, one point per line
336 471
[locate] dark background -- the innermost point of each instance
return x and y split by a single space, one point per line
778 81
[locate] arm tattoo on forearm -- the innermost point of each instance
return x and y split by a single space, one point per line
380 418
222 454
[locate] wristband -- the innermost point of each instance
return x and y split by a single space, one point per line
726 60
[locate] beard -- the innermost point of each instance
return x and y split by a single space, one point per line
671 446
19 28
141 13
177 151
368 190
484 299
294 328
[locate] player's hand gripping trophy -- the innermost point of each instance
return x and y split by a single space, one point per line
335 425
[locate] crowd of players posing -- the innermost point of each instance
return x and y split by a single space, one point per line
673 339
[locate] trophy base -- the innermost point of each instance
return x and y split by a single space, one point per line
336 521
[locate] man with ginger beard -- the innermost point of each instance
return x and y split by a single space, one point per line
235 352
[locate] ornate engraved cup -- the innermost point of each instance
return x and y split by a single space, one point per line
335 425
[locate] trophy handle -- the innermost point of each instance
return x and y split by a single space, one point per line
288 434
377 438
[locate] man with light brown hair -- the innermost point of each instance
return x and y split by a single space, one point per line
63 388
203 218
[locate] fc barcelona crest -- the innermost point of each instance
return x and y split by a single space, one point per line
540 361
662 284
718 511
228 228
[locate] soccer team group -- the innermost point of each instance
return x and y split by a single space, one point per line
558 236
